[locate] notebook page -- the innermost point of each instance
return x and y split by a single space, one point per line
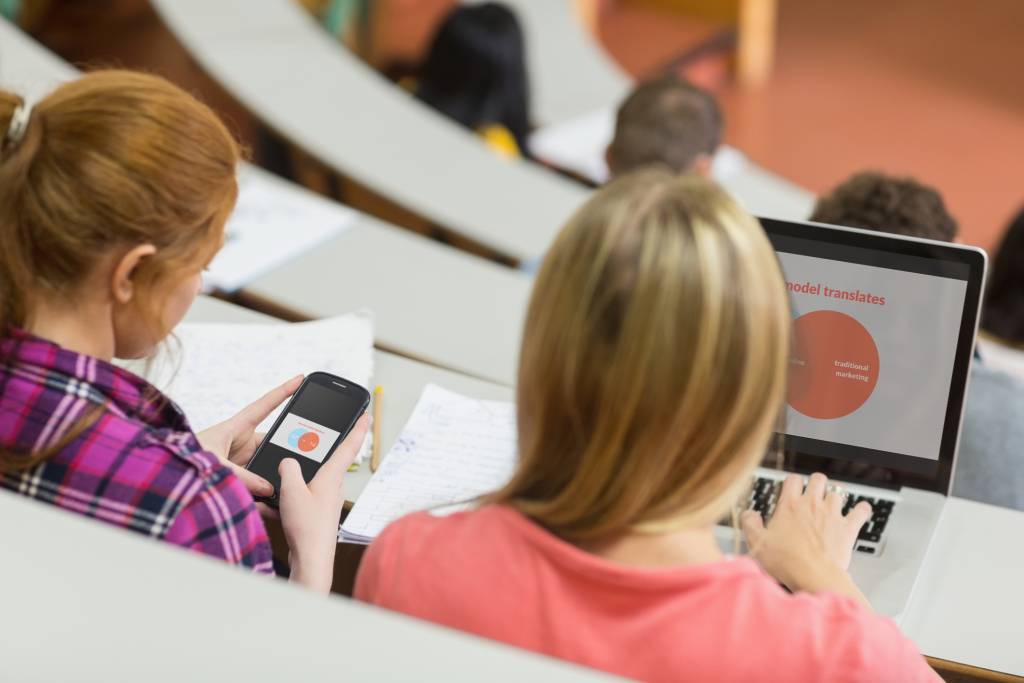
453 449
216 369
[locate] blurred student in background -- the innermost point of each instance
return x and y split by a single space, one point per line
114 192
647 394
990 465
475 73
875 201
1002 320
669 122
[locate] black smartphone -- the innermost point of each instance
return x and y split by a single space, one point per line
315 422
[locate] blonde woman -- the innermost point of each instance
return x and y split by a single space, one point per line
652 372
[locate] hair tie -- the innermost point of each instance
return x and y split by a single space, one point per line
18 125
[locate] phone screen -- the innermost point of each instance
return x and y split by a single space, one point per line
313 425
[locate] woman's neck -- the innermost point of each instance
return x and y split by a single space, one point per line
83 328
670 549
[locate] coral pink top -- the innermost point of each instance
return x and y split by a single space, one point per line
494 573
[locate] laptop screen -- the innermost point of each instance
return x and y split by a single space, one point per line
883 336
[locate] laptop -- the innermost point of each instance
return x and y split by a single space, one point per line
884 330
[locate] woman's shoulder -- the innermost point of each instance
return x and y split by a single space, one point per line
431 528
433 543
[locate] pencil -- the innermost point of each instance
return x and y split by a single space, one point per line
378 394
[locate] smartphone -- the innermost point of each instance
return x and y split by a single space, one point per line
314 423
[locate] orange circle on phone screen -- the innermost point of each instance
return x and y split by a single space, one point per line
308 441
833 368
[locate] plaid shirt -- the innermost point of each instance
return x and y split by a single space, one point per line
138 465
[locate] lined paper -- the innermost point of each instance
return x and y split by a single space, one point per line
213 370
452 450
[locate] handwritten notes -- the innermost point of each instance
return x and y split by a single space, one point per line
452 450
273 222
213 370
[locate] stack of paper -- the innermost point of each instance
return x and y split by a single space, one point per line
452 450
273 222
213 370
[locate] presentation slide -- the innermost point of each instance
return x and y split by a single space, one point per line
873 352
304 437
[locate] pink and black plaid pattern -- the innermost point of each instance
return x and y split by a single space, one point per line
138 466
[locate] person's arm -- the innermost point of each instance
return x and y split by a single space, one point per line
808 543
220 520
807 546
310 513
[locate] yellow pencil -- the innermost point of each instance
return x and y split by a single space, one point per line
378 394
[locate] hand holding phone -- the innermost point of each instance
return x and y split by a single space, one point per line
310 514
316 420
235 440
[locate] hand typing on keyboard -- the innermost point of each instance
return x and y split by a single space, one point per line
764 496
808 541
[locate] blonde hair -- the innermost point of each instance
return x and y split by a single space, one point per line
111 160
653 361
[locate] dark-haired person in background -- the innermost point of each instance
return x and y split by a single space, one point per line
666 121
475 73
990 465
1002 318
875 201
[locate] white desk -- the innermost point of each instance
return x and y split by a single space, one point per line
288 71
88 602
570 74
430 302
401 379
968 603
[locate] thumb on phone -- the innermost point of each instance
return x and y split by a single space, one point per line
292 483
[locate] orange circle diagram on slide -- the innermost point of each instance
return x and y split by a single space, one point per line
833 368
308 442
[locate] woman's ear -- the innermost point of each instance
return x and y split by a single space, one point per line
122 289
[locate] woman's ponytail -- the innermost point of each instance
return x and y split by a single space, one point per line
20 139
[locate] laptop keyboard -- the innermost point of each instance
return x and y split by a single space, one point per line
764 496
